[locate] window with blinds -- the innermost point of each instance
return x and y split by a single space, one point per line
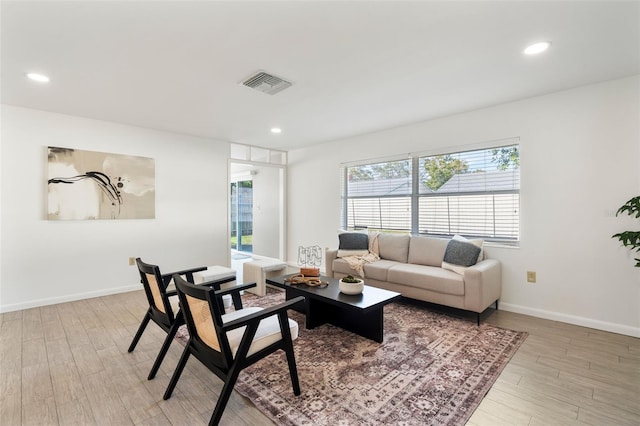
378 196
472 193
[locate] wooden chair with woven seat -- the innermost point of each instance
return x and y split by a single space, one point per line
163 305
228 343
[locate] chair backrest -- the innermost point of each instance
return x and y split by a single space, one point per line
202 314
155 289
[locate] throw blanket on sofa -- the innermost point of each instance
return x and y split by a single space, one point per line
357 262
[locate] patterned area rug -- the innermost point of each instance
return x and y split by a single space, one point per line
431 369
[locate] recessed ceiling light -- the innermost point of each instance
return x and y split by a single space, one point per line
40 78
276 130
536 48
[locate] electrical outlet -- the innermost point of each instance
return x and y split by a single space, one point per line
132 261
531 276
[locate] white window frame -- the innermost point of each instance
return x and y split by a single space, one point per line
504 224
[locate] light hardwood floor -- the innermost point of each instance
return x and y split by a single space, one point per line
68 364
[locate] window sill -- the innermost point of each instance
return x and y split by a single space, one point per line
501 245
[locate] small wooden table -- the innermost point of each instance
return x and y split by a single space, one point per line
361 314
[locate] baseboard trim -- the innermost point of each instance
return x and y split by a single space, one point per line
519 309
572 319
68 298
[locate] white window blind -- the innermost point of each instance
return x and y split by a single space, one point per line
380 213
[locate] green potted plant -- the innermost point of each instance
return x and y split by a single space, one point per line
630 239
351 285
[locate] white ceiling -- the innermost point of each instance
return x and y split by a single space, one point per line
357 67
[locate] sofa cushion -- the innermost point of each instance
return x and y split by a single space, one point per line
378 269
460 254
427 250
432 278
353 241
478 242
394 246
353 244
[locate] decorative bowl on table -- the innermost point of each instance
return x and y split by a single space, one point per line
351 285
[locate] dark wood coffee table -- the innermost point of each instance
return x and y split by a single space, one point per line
361 314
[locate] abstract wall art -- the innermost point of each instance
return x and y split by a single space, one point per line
85 185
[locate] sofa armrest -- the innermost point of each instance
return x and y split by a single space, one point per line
482 285
329 256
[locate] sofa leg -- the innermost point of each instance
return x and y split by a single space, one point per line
478 317
496 304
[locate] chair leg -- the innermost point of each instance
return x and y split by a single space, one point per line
176 374
291 359
225 394
165 346
233 373
293 370
143 325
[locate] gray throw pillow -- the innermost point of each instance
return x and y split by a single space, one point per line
353 241
461 253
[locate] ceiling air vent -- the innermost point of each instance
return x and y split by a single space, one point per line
266 83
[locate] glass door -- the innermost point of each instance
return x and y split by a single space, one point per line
242 216
256 209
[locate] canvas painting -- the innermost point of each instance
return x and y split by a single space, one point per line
85 185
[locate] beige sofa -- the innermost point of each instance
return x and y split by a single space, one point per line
412 266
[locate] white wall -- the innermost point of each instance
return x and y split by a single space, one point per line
267 211
46 262
579 163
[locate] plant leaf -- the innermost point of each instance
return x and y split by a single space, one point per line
630 238
631 207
